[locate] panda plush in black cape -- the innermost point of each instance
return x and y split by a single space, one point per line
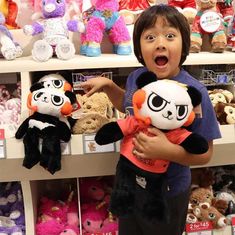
47 105
168 106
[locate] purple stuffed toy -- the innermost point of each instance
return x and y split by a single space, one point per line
55 32
105 18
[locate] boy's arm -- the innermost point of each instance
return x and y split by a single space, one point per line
113 91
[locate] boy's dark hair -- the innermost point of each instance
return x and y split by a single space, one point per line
148 18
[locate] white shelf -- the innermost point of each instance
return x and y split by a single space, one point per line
27 64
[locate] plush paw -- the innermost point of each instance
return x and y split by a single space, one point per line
65 50
9 53
42 51
19 51
28 29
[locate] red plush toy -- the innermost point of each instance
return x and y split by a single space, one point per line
186 7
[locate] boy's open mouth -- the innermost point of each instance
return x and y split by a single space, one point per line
161 60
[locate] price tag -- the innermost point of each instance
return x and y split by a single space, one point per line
2 144
210 21
233 225
199 228
90 146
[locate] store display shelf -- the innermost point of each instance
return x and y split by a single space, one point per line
25 64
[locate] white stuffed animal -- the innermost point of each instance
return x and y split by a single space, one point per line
9 49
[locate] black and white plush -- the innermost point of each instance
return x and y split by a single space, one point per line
168 106
47 105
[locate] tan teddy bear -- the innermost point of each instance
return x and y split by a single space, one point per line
97 110
209 22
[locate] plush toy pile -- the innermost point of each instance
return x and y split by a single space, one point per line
12 217
9 48
58 217
95 197
215 200
151 109
224 105
49 107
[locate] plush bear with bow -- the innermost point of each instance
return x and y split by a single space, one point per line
208 21
166 105
47 105
55 32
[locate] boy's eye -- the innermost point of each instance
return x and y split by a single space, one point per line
170 36
150 37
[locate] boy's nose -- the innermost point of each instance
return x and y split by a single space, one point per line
160 45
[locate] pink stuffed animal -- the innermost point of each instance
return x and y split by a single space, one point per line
105 18
92 218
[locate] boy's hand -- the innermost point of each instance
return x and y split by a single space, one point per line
96 84
151 147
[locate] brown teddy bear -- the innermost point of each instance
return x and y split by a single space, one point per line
201 196
97 110
208 21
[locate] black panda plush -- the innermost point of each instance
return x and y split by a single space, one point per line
47 105
168 106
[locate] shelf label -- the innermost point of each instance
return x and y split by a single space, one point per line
233 225
90 146
199 228
2 144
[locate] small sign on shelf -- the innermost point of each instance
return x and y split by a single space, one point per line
199 228
2 144
90 146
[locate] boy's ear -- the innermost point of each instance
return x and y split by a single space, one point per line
145 78
195 95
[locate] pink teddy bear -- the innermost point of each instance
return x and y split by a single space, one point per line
105 18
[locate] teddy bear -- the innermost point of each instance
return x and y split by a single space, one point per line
225 113
9 8
153 102
9 48
130 9
55 32
186 7
96 111
209 22
225 7
47 105
105 18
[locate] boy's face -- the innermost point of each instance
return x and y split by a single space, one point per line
161 48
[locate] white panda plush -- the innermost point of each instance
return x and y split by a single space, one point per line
168 106
47 105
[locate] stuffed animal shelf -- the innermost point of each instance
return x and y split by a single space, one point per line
9 48
47 105
208 21
105 18
166 105
55 30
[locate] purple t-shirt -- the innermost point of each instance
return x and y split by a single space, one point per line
179 176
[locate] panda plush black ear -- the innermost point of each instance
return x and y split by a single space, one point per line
71 96
195 95
145 78
36 86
